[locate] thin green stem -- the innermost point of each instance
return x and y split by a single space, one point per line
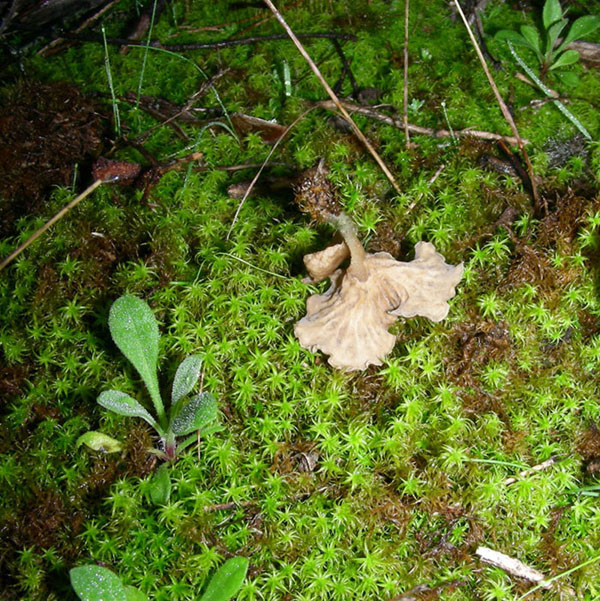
561 107
145 57
111 87
520 466
187 60
160 408
545 583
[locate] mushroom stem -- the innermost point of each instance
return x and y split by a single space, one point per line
346 227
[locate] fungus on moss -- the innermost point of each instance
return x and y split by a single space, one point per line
350 321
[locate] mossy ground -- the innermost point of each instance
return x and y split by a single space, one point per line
411 458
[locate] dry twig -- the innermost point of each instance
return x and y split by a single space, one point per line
432 179
266 162
46 50
49 223
368 111
405 91
501 103
512 566
205 45
333 96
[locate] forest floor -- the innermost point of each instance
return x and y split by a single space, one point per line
379 484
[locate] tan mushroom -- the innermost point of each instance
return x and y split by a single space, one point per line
350 321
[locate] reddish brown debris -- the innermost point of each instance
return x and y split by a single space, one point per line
120 172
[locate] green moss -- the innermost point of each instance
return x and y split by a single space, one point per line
411 458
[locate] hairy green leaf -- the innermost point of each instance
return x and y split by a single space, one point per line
186 377
134 594
160 491
98 441
135 331
568 78
567 58
123 404
508 35
552 35
197 414
532 36
581 28
227 581
95 583
552 12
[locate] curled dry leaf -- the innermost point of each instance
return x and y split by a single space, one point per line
269 131
350 321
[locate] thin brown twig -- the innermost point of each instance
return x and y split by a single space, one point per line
52 221
243 166
266 161
368 111
149 16
183 111
513 566
89 21
333 96
522 77
262 19
532 470
432 179
405 92
501 103
190 29
205 45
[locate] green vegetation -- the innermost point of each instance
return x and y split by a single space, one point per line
95 583
550 49
334 486
135 331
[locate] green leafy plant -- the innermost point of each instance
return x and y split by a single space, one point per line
549 48
134 330
95 583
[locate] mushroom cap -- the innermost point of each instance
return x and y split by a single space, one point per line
350 321
323 263
429 282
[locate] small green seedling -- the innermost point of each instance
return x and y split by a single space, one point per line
550 50
98 441
95 583
134 330
227 581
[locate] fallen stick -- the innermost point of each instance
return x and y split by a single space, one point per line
432 179
513 566
266 162
205 45
503 108
416 129
405 83
334 97
49 223
89 21
148 17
